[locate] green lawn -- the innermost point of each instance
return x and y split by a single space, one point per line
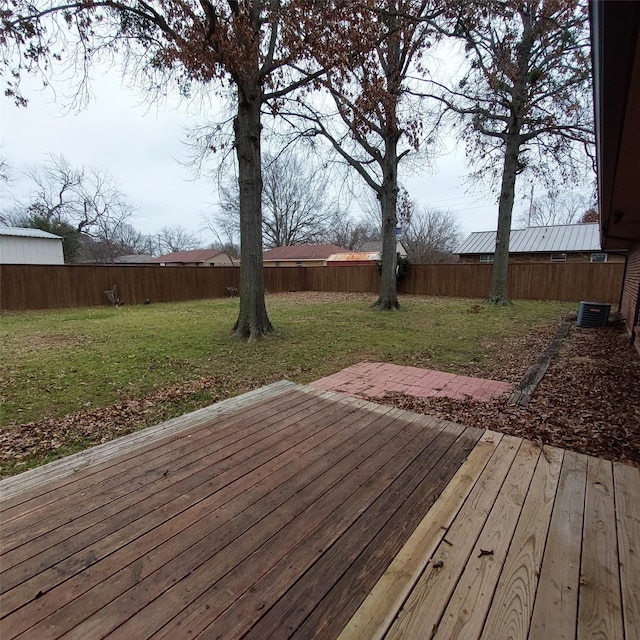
61 362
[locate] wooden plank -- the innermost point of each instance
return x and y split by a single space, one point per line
465 614
128 474
110 473
185 512
532 378
423 609
555 610
375 615
512 605
627 494
100 517
297 524
11 488
600 607
303 596
345 597
173 556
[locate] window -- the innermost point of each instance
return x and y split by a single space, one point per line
277 263
598 257
558 257
298 264
487 259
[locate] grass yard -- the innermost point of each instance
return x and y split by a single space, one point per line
177 357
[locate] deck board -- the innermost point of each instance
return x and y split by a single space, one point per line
376 614
466 612
600 606
555 610
512 603
627 494
427 601
291 512
353 586
165 451
199 518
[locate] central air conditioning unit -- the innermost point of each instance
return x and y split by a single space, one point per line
593 314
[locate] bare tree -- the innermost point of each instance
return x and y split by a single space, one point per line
76 203
350 233
524 98
555 208
85 198
176 238
430 235
112 242
295 203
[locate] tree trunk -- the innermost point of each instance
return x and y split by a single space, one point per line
499 288
253 321
388 298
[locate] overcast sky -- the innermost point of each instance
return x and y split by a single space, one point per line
143 148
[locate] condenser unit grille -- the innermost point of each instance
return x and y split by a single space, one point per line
593 314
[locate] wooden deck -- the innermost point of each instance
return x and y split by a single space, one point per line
296 513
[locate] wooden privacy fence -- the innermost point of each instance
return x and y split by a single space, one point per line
45 287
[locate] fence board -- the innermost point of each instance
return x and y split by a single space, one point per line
25 287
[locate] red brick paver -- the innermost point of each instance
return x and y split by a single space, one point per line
375 379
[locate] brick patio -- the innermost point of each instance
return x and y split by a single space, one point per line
375 379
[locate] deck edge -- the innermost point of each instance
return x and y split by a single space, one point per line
33 478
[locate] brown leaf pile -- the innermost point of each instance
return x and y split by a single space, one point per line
588 401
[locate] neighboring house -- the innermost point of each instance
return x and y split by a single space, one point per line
301 255
29 246
558 243
376 245
137 258
615 31
353 258
198 258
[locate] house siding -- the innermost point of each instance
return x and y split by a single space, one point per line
294 263
630 292
26 250
542 257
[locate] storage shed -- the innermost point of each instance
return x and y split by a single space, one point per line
29 246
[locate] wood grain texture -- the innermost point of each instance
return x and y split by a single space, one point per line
133 475
159 453
349 592
15 488
600 607
291 538
304 597
223 505
465 614
423 609
172 493
377 612
627 494
555 610
512 605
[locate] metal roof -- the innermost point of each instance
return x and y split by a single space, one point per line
355 256
301 252
196 255
551 239
20 232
